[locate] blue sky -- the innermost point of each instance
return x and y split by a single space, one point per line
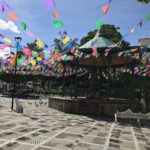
79 17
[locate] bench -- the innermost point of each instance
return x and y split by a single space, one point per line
128 114
19 108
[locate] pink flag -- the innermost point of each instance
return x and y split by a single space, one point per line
30 34
48 4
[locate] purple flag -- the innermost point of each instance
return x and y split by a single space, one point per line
2 36
109 1
48 4
140 23
4 7
65 32
4 60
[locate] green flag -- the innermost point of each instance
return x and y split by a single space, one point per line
23 57
58 23
19 62
147 17
24 25
34 53
99 23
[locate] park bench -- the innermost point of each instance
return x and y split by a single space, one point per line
19 108
128 114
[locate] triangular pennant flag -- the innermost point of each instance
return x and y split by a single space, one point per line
2 36
30 34
48 4
58 23
39 43
12 16
99 23
147 17
4 7
65 33
7 40
24 25
105 8
66 40
132 31
56 15
140 23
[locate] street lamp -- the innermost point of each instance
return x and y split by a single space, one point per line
17 40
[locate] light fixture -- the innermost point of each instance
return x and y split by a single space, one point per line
18 39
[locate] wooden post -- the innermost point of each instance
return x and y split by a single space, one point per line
76 80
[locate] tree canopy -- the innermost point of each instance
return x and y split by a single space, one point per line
144 1
107 31
59 46
33 46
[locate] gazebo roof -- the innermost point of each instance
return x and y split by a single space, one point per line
102 60
101 42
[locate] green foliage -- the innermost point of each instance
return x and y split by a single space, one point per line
107 31
59 46
144 1
33 46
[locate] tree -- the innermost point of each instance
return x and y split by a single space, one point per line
144 1
33 46
107 31
59 46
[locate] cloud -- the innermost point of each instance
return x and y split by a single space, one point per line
8 26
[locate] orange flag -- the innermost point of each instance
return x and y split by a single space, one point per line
12 16
105 8
133 50
56 15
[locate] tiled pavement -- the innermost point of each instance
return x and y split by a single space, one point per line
42 128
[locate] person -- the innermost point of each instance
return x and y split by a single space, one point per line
143 104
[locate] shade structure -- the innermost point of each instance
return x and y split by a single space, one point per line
110 60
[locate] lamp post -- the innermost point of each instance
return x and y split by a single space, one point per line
17 40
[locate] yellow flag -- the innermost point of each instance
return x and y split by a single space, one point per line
95 37
39 43
39 58
7 40
137 55
132 31
66 40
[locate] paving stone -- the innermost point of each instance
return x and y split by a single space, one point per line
69 136
85 146
94 140
16 146
9 135
60 144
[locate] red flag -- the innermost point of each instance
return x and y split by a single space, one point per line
105 8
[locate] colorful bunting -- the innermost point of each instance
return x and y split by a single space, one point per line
140 23
4 7
2 36
132 31
48 4
24 25
99 23
58 23
56 15
12 16
66 40
7 40
105 8
39 43
30 34
147 17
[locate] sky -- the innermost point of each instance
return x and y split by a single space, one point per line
78 16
